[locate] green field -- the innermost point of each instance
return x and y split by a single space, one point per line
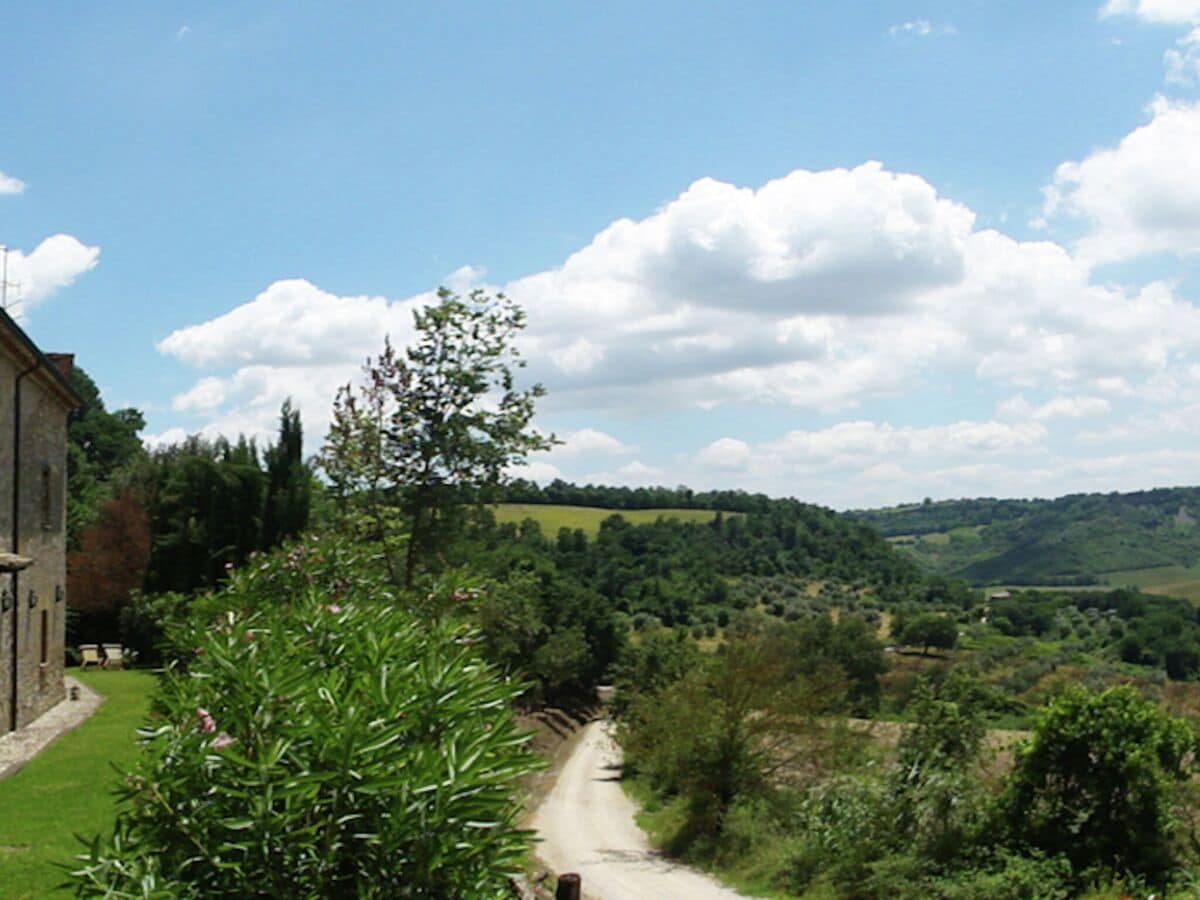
1170 581
1167 581
551 517
67 789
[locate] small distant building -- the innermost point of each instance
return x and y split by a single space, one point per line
36 398
999 595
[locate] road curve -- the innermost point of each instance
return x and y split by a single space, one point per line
586 825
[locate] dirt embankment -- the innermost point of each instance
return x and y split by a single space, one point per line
555 732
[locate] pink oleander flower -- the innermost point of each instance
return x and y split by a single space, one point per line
221 741
207 723
334 608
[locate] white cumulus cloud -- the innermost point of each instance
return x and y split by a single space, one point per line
1141 196
53 264
725 453
1166 12
861 462
818 291
1182 61
1068 407
590 441
293 323
10 184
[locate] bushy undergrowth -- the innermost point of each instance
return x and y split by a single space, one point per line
1091 804
319 743
1095 783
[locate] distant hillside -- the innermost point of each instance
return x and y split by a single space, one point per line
1078 539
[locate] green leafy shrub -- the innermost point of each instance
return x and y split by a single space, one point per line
926 815
335 563
151 624
1006 876
322 747
1095 782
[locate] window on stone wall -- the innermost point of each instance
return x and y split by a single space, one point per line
45 636
47 499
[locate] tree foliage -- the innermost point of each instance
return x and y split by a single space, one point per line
1141 629
288 494
435 426
730 726
100 444
1095 781
930 630
108 565
213 503
205 501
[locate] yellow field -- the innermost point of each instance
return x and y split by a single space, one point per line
552 517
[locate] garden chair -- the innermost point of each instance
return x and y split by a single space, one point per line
89 656
113 655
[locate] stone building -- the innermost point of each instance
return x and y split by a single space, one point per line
35 399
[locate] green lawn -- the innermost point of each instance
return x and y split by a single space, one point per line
552 517
67 789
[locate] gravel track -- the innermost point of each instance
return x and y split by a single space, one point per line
586 825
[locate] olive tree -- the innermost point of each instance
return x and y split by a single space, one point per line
433 426
930 630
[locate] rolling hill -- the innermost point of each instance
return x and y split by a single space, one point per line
1145 538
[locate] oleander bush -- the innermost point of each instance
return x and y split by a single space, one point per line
326 746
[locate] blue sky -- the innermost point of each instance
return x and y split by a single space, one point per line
857 255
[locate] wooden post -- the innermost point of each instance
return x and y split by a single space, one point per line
569 887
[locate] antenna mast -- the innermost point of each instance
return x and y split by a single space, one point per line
5 284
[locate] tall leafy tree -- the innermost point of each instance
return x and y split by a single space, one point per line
213 503
205 501
734 725
108 565
289 481
434 426
99 445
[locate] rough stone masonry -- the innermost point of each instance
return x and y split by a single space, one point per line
36 398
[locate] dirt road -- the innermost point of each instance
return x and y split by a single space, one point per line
587 826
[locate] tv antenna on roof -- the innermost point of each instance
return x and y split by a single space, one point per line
5 284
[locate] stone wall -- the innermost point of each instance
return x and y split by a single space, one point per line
34 601
8 372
